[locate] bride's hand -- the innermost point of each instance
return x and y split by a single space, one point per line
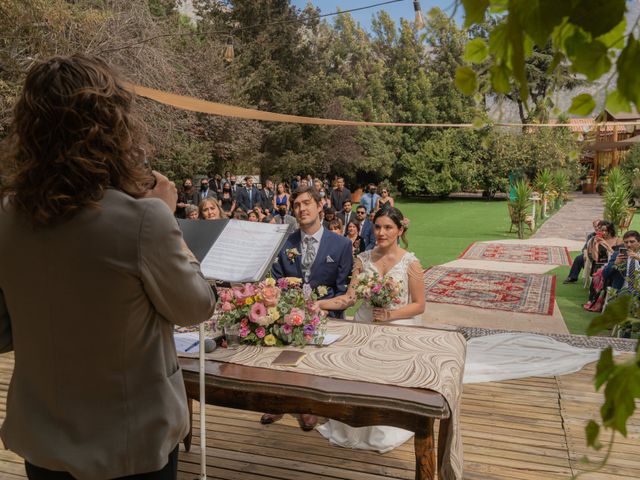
381 314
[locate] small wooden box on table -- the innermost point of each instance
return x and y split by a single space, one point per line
355 403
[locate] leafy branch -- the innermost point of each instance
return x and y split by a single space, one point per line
589 36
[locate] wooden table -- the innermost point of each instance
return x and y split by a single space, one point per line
355 403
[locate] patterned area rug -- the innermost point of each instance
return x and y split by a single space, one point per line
513 292
503 252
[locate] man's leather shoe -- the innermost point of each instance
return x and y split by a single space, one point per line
268 418
570 280
308 422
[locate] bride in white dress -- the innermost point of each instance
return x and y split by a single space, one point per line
387 258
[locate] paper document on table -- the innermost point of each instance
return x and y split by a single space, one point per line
187 342
244 251
328 339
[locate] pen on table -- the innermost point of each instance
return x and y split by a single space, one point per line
194 344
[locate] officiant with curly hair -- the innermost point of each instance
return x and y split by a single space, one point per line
91 255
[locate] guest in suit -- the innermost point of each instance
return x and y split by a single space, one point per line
346 215
325 260
249 196
340 194
205 191
97 390
366 228
624 264
267 196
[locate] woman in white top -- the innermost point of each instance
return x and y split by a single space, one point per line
387 258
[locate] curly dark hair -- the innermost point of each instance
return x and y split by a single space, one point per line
72 136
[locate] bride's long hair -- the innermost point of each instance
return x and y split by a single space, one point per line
396 217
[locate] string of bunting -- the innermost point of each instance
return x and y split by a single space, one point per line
224 110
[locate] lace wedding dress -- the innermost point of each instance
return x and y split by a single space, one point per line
380 438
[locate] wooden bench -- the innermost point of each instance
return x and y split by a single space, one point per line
355 403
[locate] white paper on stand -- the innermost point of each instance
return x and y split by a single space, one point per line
242 251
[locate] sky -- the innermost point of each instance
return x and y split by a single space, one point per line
402 9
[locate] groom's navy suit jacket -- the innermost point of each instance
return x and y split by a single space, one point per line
331 267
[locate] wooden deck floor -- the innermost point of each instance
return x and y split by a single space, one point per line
519 429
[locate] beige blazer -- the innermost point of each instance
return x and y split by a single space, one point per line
89 308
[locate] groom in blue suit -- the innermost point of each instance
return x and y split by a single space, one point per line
314 254
317 256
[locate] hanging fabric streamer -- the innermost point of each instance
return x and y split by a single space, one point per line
224 110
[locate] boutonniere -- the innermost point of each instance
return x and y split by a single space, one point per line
292 253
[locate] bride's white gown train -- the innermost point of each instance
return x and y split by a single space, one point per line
491 358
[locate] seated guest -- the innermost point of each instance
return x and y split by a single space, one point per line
353 234
624 263
268 219
192 212
240 214
252 216
578 263
329 216
210 210
600 249
603 243
366 228
335 226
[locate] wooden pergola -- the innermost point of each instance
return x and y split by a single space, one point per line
608 139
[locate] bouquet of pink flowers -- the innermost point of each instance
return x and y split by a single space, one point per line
378 291
271 312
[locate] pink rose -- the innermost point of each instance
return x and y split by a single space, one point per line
315 321
227 307
244 292
282 283
244 322
244 331
376 288
260 332
287 329
270 296
226 295
258 310
295 317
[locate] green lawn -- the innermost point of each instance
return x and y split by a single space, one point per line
440 231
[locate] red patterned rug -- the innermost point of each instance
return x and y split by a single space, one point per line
514 292
506 252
